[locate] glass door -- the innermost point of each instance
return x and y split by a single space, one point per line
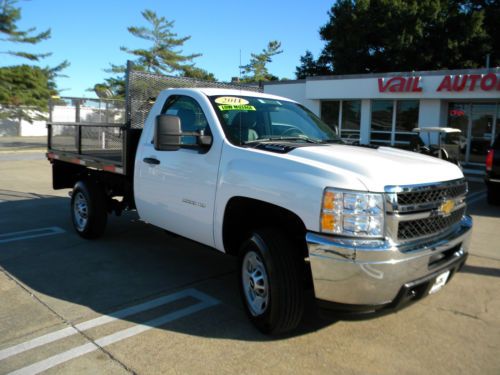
481 132
477 121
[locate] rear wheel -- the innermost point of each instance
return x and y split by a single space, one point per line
88 209
271 282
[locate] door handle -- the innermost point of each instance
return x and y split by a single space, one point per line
151 161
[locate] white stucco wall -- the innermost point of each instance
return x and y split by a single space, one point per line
368 88
14 127
433 104
37 128
295 91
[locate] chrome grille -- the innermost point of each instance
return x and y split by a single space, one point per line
418 211
433 195
429 226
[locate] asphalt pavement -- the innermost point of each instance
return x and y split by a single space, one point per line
142 301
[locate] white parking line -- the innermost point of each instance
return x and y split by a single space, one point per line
26 234
65 332
205 302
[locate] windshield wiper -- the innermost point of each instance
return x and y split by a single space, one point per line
332 140
282 138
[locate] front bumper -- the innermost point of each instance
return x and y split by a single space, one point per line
375 273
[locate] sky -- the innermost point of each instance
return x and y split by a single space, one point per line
89 34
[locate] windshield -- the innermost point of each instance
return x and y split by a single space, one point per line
248 120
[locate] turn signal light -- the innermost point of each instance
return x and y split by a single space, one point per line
328 200
327 222
489 160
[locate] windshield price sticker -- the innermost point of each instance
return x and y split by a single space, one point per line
231 100
229 107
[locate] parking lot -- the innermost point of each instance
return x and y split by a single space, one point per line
142 301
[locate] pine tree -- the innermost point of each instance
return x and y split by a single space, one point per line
256 70
162 57
24 90
311 67
9 16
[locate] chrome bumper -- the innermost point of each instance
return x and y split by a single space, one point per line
373 272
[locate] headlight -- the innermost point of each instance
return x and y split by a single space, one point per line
355 214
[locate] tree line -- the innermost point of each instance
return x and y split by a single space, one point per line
373 36
360 36
25 90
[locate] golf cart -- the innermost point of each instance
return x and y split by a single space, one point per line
448 144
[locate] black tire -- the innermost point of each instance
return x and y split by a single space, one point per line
283 309
88 209
493 196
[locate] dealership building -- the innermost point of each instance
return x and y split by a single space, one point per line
383 109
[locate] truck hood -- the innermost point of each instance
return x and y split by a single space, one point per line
379 167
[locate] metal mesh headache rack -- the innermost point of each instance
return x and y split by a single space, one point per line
103 132
143 88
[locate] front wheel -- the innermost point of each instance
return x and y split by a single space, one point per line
271 282
88 209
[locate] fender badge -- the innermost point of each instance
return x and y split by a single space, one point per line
446 207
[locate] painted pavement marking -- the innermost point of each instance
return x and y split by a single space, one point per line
27 234
205 301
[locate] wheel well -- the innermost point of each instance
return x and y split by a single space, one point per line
66 175
244 215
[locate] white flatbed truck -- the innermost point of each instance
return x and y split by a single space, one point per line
262 178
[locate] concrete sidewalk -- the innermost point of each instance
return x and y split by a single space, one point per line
10 144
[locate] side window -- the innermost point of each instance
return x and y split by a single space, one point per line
192 118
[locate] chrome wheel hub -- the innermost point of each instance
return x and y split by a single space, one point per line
255 283
80 211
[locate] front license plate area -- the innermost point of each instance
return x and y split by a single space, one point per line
439 282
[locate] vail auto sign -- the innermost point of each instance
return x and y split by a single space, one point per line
400 84
485 82
449 83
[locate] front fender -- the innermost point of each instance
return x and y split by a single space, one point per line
283 180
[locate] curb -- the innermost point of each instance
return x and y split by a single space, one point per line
17 150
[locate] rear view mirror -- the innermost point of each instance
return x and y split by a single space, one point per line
167 135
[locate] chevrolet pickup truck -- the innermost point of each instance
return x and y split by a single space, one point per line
262 178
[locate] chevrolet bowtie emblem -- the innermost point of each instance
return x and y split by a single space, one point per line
446 207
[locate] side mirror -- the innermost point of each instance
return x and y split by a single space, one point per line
168 133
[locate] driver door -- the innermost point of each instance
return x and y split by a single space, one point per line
177 191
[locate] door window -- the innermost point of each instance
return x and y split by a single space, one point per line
192 118
482 116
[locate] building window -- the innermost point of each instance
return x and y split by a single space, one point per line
406 121
392 122
382 116
344 115
330 110
351 120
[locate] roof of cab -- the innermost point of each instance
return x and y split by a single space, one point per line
233 92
